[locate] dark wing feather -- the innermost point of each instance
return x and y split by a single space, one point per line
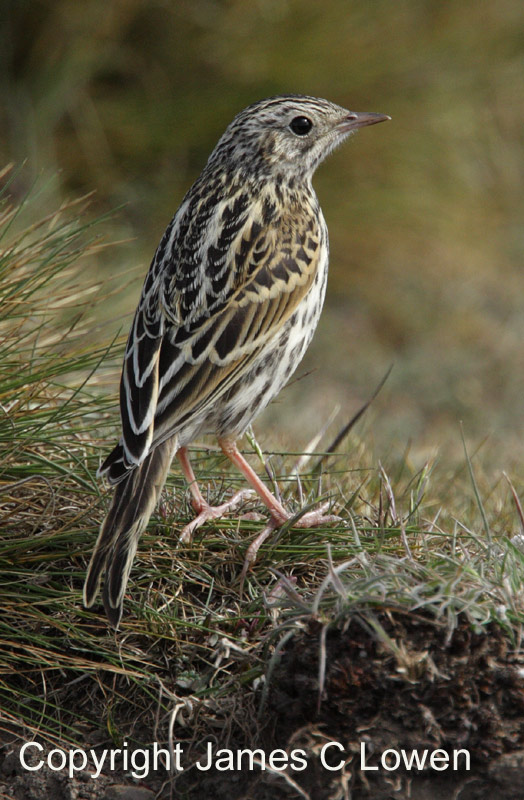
209 305
195 372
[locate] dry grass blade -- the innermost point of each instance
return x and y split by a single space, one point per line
343 433
194 660
516 500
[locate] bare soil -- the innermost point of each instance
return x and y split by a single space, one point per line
417 688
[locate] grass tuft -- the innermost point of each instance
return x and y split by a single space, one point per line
192 649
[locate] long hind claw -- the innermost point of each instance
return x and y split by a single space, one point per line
311 519
208 513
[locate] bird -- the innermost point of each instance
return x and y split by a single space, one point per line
227 310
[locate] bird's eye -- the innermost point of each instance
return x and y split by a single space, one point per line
301 126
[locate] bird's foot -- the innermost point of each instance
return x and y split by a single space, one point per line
205 513
279 517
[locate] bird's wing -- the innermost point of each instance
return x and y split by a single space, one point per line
139 381
274 267
196 330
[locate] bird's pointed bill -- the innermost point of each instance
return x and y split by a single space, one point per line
355 120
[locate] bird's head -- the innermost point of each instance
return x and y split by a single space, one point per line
287 135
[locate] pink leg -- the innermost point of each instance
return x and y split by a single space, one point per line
230 449
198 501
204 511
279 515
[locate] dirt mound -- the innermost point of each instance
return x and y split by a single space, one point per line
406 710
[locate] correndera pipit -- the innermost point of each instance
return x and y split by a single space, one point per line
227 311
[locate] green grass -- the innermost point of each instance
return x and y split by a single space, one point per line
438 541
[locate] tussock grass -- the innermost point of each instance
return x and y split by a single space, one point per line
192 647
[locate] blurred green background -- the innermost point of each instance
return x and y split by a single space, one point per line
128 97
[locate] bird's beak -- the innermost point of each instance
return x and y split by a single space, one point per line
356 120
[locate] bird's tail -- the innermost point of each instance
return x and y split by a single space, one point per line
133 503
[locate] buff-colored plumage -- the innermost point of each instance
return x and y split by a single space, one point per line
227 311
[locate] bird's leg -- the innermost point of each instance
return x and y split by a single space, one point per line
204 511
198 501
279 515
